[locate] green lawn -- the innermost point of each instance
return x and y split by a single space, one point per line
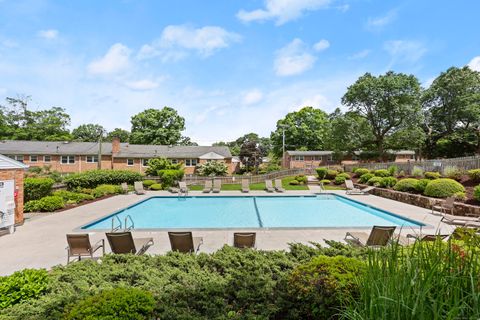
253 186
329 187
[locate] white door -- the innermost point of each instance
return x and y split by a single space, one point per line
7 204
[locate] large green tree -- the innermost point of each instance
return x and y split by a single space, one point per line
307 128
236 145
123 135
154 126
388 102
89 132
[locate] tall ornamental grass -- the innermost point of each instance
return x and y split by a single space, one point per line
435 280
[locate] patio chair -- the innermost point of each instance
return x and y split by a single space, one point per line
244 240
269 186
138 185
208 186
123 243
182 187
278 185
79 246
460 220
217 185
124 187
443 207
184 242
351 189
402 240
378 237
245 186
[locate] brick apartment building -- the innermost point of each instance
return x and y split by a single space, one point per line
70 157
11 170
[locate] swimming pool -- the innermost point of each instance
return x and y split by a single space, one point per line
221 212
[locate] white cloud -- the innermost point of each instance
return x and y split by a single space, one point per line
252 97
380 22
177 40
474 64
49 34
115 60
142 85
321 45
405 50
360 54
282 10
293 59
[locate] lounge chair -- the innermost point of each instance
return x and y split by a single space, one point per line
182 187
79 246
278 185
123 242
138 185
244 240
208 186
460 220
245 186
184 242
124 186
443 207
217 185
269 186
417 237
379 237
351 189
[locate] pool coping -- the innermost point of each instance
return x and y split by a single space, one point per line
420 225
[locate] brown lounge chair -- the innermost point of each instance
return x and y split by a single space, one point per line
379 237
138 185
269 186
217 185
123 242
445 206
351 189
208 186
184 242
79 246
278 185
244 240
410 238
462 221
245 186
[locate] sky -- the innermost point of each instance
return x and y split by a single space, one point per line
228 67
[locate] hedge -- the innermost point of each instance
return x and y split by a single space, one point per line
442 188
21 286
361 171
170 177
339 179
375 181
422 184
406 185
474 174
388 182
365 177
382 173
476 193
75 197
156 187
93 178
46 204
36 188
432 175
322 173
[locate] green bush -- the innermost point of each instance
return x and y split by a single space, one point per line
476 193
382 173
393 170
170 177
345 175
325 181
339 179
442 188
148 183
156 187
388 182
75 197
417 172
433 175
331 174
365 177
46 204
422 184
375 181
32 206
118 303
36 188
212 168
323 286
294 182
302 179
21 286
474 174
406 185
452 172
94 178
271 167
156 164
322 172
361 171
106 189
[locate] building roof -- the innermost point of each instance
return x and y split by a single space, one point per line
8 163
310 153
127 150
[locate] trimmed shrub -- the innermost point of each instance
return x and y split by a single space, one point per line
170 177
361 171
161 164
302 179
422 184
476 193
417 172
452 172
406 185
46 204
345 175
322 172
442 188
331 174
432 175
212 168
365 177
393 170
148 183
375 181
106 189
325 181
74 197
388 182
382 173
94 178
36 188
32 206
22 286
156 186
323 286
118 303
474 174
340 179
294 182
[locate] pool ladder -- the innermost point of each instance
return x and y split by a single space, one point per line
117 223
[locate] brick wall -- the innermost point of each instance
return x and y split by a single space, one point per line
17 176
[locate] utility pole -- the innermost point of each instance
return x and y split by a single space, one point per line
283 144
99 162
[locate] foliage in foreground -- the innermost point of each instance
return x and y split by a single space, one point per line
21 286
94 178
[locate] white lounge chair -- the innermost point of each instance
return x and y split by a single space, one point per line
217 185
269 186
351 189
138 185
245 186
278 185
208 186
460 220
183 187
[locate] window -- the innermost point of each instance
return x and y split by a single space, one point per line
298 158
92 159
67 159
33 158
145 162
190 162
317 158
174 161
17 157
129 162
47 158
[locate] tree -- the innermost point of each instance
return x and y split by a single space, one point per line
119 133
158 164
306 128
154 126
186 141
88 132
236 145
251 154
388 102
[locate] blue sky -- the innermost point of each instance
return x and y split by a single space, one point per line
228 67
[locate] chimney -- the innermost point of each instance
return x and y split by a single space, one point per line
115 145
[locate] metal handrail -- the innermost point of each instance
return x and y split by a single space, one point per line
119 223
132 226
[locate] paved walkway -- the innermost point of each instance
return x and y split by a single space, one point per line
40 242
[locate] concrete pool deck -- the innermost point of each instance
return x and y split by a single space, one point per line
41 241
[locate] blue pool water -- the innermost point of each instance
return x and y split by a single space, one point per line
252 212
